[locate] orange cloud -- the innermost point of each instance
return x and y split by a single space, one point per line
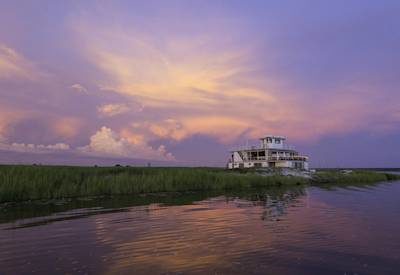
207 86
110 110
225 129
194 85
67 127
8 117
132 137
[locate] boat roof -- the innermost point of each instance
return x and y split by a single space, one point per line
273 136
264 149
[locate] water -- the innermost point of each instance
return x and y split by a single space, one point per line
285 231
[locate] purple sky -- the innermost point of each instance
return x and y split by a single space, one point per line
182 82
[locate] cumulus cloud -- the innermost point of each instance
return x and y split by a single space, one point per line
57 146
33 148
106 142
15 65
110 110
78 88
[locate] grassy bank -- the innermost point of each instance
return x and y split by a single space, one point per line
21 183
355 177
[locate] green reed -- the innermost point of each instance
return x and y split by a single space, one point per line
353 178
21 183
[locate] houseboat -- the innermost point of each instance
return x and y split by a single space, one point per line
273 152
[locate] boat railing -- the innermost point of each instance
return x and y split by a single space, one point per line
273 158
255 148
301 158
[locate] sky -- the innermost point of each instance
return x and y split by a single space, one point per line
183 82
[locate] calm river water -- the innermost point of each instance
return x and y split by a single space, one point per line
285 231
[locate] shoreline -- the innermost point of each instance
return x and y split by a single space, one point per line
20 183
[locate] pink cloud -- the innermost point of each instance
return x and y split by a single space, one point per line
13 65
106 142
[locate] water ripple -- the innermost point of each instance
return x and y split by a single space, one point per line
284 232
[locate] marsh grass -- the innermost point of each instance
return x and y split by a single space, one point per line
354 178
23 183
